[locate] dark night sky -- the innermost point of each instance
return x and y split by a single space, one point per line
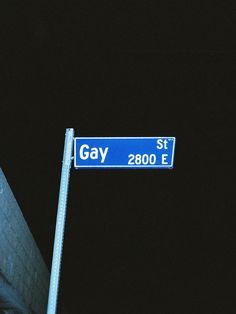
137 242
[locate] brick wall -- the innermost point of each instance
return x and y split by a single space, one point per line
21 263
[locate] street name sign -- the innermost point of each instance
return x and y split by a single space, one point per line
124 152
102 152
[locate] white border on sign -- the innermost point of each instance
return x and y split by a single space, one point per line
125 166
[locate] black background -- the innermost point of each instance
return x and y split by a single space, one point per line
138 242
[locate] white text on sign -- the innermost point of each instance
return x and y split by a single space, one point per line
124 152
93 153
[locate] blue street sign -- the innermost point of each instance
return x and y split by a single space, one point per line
124 152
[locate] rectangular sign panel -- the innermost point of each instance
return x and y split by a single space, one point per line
124 152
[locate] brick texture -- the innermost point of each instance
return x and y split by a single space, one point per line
21 263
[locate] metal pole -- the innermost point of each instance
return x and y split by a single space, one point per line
60 222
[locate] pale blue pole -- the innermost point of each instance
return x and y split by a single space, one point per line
60 223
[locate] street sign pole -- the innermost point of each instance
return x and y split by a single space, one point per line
60 222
